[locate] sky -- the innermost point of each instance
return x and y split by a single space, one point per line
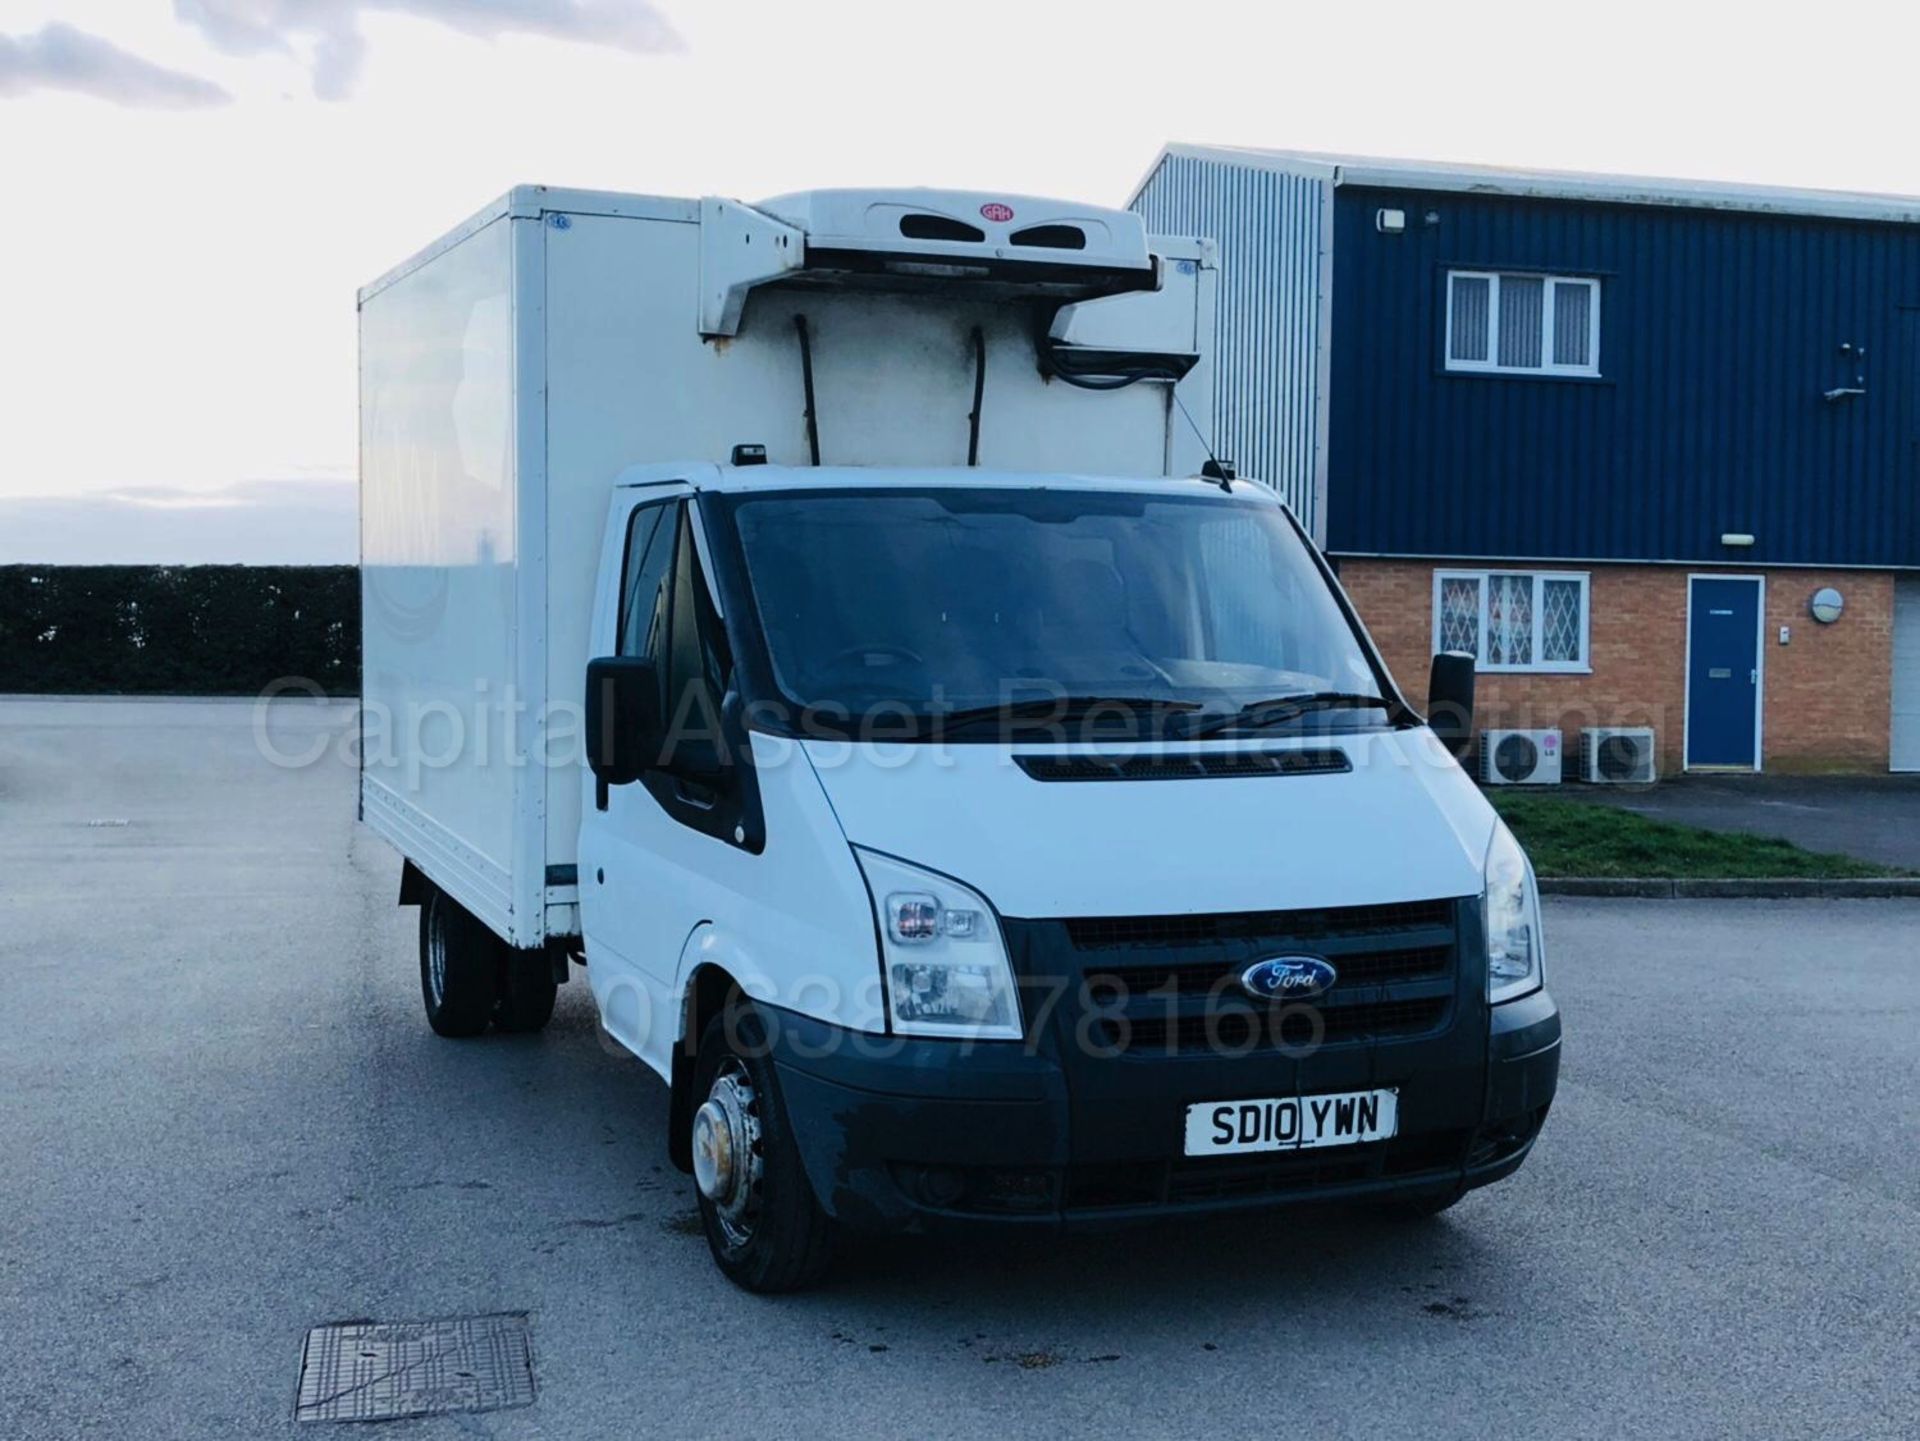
197 188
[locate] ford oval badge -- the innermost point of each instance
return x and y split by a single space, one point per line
1289 978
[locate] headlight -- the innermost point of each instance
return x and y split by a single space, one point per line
941 951
1514 950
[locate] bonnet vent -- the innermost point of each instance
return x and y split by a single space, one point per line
1194 765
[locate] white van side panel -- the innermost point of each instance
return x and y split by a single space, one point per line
620 351
439 541
630 382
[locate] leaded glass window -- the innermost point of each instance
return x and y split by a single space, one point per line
1513 620
1460 614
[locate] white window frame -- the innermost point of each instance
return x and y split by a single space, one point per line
1491 365
1581 666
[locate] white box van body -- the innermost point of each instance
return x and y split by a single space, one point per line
810 617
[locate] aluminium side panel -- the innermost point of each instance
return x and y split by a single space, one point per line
440 541
624 384
1273 299
1196 264
527 745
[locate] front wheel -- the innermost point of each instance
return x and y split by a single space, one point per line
763 1225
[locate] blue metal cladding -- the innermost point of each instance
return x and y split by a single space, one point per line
1269 229
1720 332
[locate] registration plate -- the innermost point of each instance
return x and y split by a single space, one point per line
1291 1123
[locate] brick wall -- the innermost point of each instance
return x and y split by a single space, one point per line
1829 692
1827 698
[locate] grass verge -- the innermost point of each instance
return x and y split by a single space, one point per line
1590 838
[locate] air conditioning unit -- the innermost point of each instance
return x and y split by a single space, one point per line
1618 755
1520 758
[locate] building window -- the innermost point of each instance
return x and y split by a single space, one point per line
1513 620
1522 324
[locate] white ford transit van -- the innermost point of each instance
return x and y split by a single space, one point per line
823 622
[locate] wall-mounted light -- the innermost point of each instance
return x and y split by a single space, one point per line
1856 356
1740 540
1390 222
1826 605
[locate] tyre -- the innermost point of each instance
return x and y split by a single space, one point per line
764 1226
459 968
527 990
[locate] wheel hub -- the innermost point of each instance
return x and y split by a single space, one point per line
726 1153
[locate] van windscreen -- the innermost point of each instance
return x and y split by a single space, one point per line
949 600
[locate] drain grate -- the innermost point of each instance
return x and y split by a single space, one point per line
378 1371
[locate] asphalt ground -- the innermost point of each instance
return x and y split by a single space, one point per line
224 1121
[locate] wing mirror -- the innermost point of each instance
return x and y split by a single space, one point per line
1450 701
625 729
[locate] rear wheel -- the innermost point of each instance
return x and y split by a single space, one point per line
527 990
458 968
763 1225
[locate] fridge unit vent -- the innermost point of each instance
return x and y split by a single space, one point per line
1618 755
1520 758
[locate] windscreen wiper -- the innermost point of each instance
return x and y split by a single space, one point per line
1052 708
1285 708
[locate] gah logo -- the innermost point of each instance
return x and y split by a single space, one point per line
996 212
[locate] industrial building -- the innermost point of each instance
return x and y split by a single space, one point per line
1649 449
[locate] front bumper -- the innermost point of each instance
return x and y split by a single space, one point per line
905 1135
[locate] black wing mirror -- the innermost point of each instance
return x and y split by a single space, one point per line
1450 701
625 733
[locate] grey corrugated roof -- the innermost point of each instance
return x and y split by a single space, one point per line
1557 184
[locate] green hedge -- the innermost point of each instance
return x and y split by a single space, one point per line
177 630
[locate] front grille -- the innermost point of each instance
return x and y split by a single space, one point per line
1099 933
1227 1029
1368 968
1169 985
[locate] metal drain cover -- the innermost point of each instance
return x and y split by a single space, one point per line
380 1371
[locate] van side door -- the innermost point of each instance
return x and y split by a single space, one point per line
650 851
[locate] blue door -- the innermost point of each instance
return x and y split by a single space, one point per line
1723 672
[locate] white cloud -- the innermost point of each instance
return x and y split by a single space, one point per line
262 522
59 57
326 33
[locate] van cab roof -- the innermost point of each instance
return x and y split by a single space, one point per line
706 476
